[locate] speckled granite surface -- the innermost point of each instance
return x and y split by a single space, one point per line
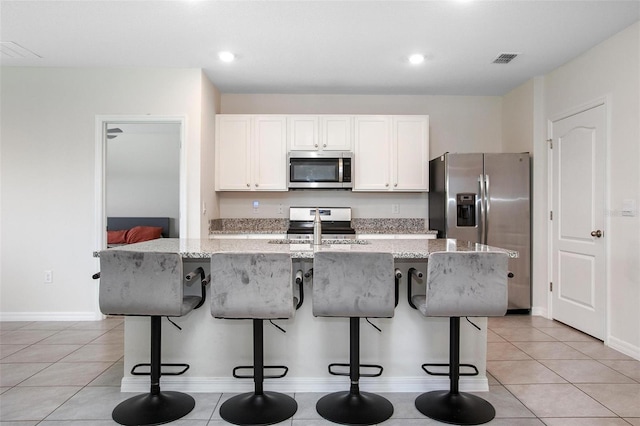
248 225
278 226
399 248
390 226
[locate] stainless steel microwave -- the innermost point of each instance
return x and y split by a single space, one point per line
320 170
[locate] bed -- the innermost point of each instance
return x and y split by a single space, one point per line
129 230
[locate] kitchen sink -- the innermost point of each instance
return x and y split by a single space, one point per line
328 242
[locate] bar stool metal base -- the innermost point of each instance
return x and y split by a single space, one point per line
455 408
258 409
149 409
348 408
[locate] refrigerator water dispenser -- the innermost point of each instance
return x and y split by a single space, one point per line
466 208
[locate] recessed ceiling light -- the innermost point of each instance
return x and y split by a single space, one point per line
416 58
226 56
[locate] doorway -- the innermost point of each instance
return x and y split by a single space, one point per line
140 170
579 286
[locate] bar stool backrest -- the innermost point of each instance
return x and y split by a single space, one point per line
252 285
135 283
353 284
463 284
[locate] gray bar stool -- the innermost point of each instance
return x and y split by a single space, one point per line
461 284
149 284
255 286
354 285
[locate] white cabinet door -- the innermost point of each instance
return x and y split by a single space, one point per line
233 140
335 132
251 153
372 151
269 153
302 132
410 159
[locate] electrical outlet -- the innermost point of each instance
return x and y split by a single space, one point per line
256 204
395 209
280 209
48 277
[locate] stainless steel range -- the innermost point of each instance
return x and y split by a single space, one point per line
336 222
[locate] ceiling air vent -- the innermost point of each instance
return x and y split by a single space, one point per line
505 58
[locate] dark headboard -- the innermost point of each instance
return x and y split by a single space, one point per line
120 223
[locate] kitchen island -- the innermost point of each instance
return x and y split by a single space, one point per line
213 347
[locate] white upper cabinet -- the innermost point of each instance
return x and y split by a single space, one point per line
335 132
319 133
391 153
251 153
372 151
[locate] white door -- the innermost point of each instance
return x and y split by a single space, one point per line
578 253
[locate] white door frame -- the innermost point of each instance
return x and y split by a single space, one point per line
606 102
101 122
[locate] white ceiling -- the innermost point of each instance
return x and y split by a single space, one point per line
345 47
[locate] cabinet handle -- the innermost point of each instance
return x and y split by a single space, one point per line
395 184
316 145
386 184
324 145
256 185
248 185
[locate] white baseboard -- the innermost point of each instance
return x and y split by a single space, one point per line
303 384
624 347
50 316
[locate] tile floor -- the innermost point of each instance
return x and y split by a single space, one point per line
541 373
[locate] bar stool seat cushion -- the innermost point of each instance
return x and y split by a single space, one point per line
252 285
477 287
136 283
353 284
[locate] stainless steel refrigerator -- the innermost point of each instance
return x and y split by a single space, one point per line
485 198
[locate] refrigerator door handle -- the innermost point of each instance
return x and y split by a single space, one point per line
482 222
487 201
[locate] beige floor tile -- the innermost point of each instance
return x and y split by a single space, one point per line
510 321
493 337
73 337
6 350
506 405
585 371
523 334
522 372
105 325
111 337
12 374
96 353
567 334
626 367
33 403
42 353
622 399
13 325
25 337
634 421
597 350
67 374
541 322
558 400
601 421
49 325
111 376
500 351
550 350
492 380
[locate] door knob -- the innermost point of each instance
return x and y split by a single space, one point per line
596 234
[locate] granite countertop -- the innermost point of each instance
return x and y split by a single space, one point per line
280 226
399 248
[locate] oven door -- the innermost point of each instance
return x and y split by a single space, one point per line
317 172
